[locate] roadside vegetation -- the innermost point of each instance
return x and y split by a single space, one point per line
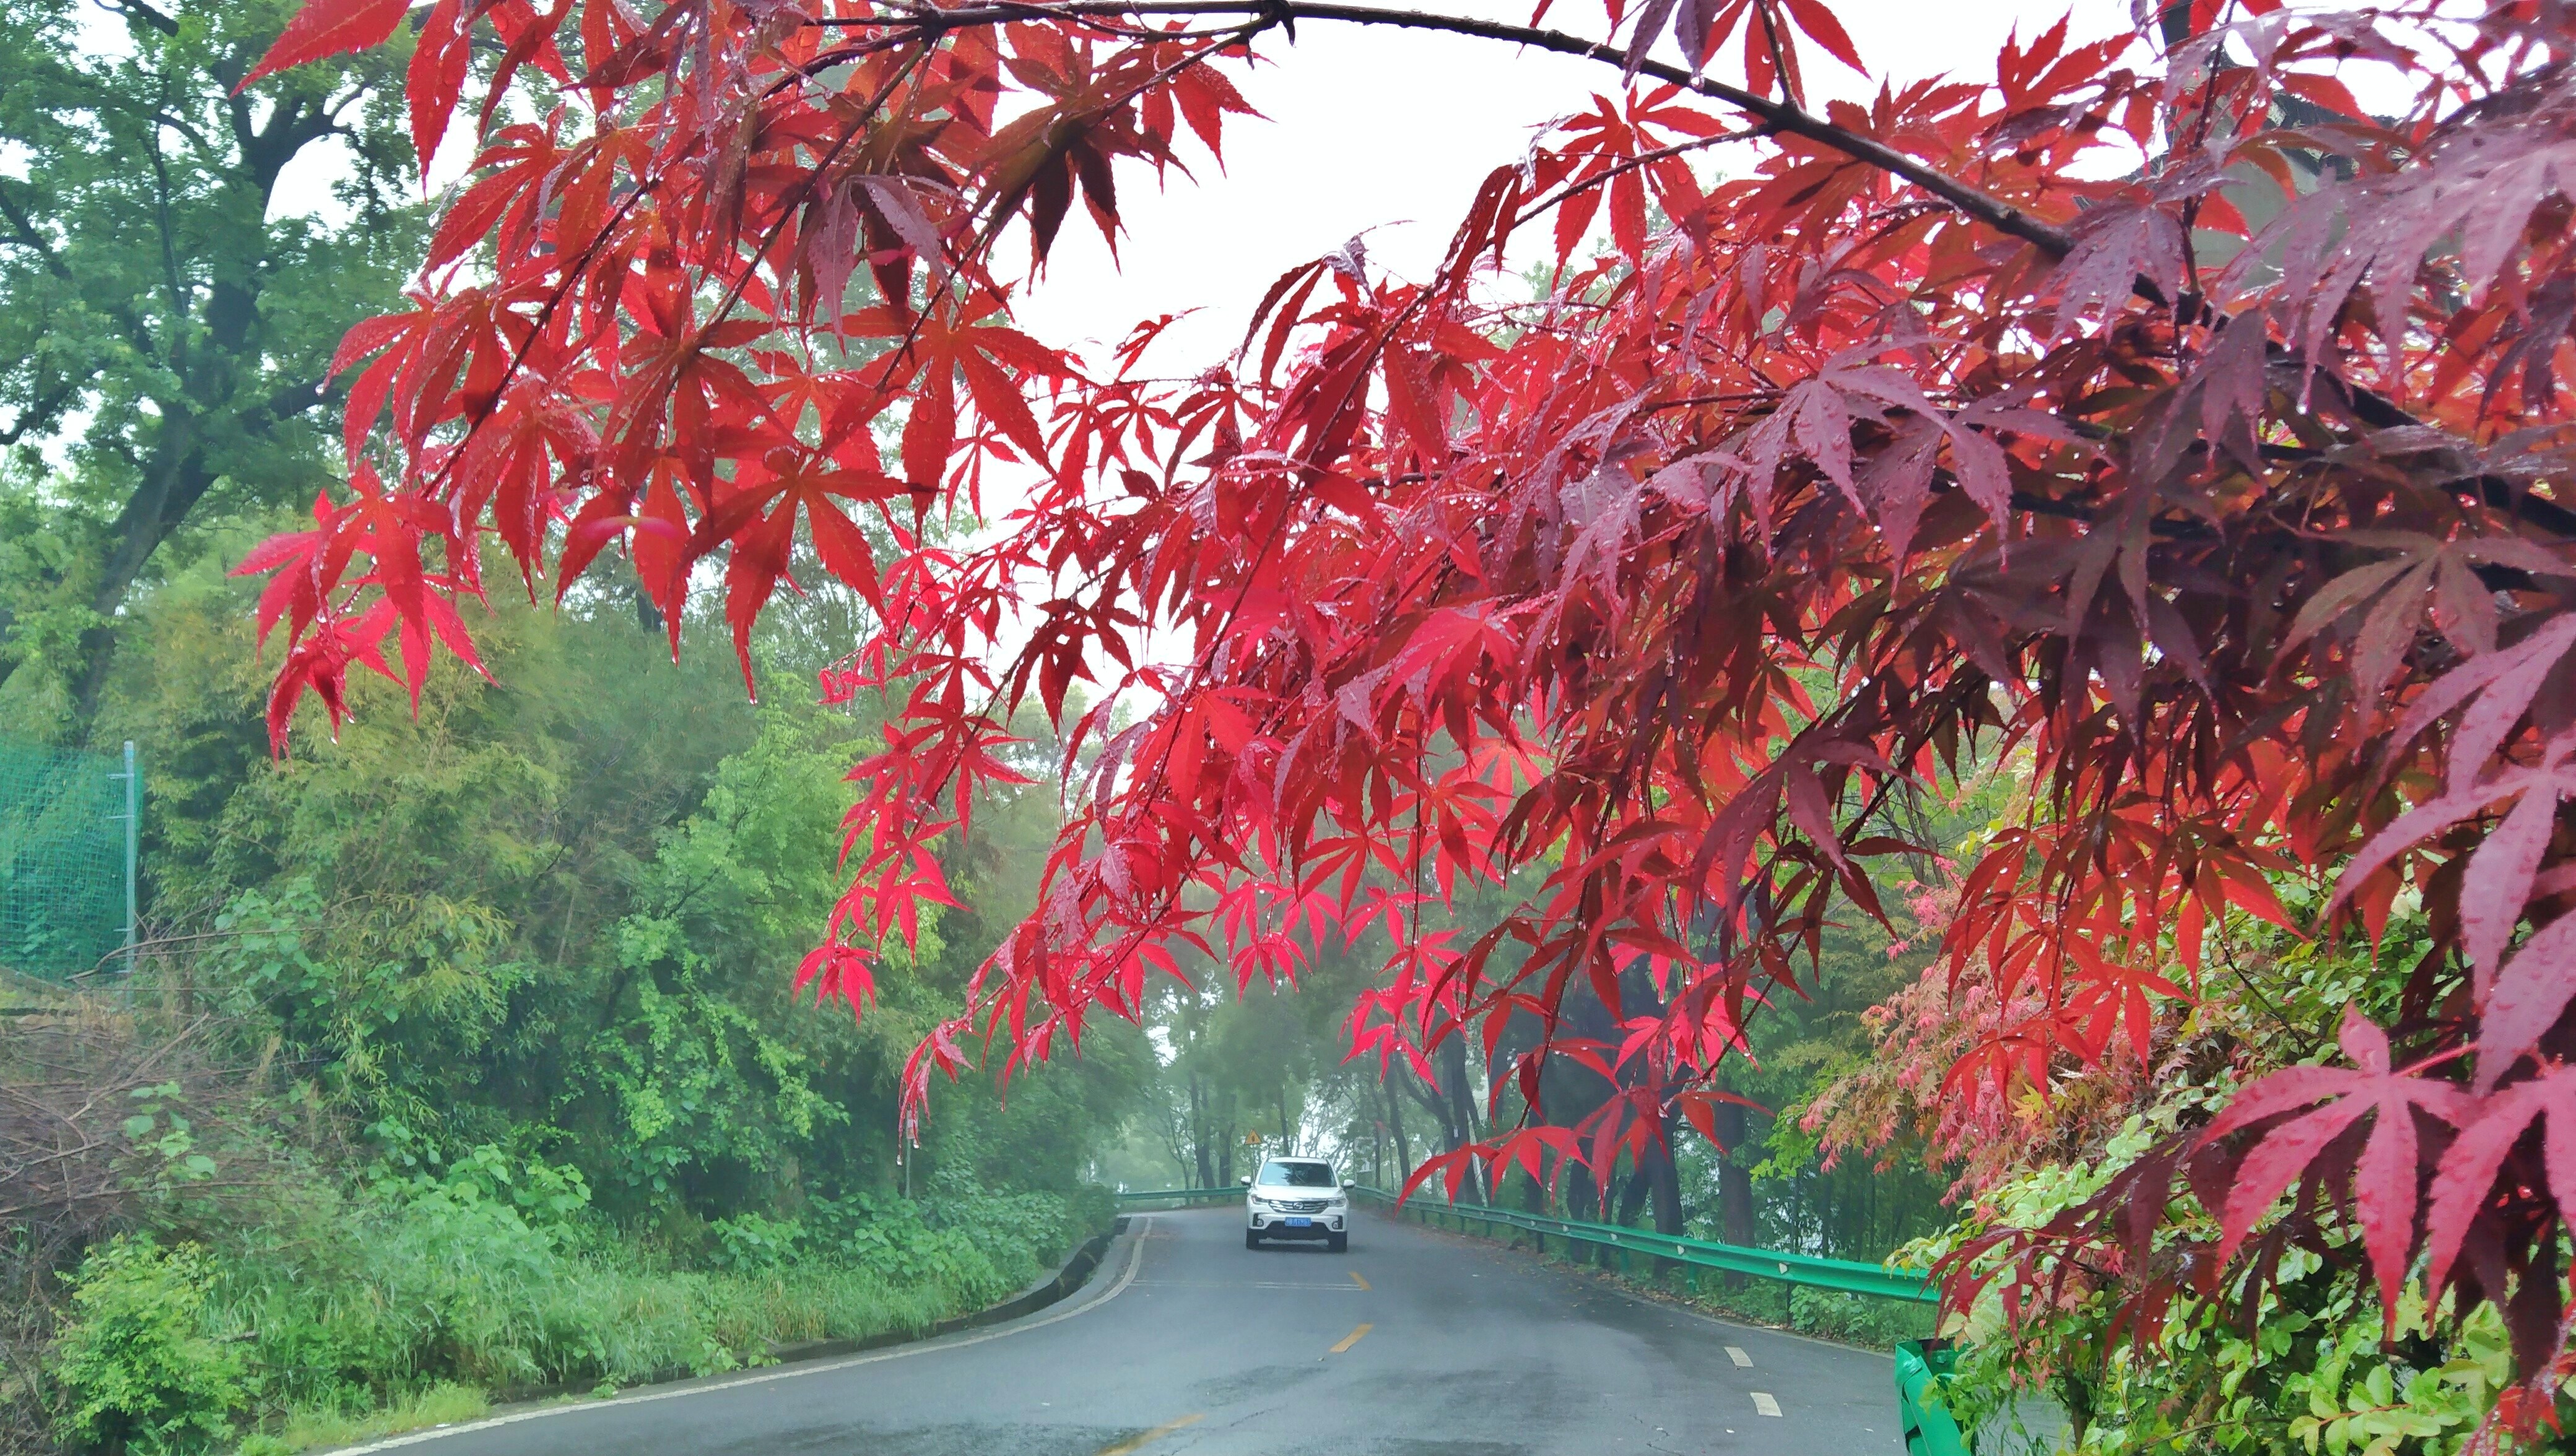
464 1062
413 1304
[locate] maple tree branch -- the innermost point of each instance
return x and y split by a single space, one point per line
1778 115
1642 159
2497 492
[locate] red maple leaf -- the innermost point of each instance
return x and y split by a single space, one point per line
2387 1178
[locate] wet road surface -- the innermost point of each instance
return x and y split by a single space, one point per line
1413 1343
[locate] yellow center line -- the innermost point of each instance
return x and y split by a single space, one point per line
1353 1338
1356 1279
1159 1432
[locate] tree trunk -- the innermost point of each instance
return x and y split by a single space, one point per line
1670 1217
1199 1131
1438 1106
1395 1128
1663 1186
1632 1198
1591 1205
1734 1184
173 482
1462 1108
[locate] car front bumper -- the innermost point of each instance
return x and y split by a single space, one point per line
1276 1225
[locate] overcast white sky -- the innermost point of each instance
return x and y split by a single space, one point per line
1392 130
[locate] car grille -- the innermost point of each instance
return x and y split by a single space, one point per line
1298 1205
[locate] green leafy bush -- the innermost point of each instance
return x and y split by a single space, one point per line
2317 1368
1857 1319
135 1364
372 1298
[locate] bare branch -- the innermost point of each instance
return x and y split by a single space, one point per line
1777 115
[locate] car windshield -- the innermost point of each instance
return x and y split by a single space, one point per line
1297 1175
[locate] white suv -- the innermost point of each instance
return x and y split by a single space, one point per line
1296 1198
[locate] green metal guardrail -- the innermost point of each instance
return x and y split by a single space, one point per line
1846 1275
1180 1195
1922 1371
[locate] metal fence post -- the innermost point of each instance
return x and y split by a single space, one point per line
133 827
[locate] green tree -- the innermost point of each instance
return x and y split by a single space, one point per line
166 324
561 910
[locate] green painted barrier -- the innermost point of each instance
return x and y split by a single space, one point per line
1846 1275
1922 1377
1180 1195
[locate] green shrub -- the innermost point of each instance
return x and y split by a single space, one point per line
368 1300
135 1365
748 1241
341 1310
1858 1319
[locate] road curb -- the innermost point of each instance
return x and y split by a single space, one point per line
1070 1277
1075 1272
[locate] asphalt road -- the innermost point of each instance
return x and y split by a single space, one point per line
1414 1343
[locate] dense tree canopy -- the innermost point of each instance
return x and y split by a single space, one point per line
2160 417
170 324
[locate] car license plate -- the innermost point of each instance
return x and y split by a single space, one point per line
1301 1223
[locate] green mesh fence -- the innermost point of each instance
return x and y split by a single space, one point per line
63 859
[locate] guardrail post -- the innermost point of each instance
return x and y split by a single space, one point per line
1922 1380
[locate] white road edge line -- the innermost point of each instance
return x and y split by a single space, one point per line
1229 1284
1763 1404
1135 1261
1736 1354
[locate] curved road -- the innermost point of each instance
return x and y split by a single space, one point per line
1413 1343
